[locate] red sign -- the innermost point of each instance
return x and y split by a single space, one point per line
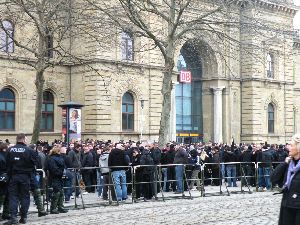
185 77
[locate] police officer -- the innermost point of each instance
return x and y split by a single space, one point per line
21 161
3 182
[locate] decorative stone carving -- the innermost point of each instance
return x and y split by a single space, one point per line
272 99
15 84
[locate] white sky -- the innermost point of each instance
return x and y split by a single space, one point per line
297 17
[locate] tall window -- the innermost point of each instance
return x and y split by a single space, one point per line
47 123
7 109
270 65
49 43
127 46
127 112
270 118
6 35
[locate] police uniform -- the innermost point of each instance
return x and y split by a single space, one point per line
21 161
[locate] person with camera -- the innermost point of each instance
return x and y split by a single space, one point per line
288 174
3 182
56 167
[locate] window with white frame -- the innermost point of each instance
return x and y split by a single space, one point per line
127 46
6 36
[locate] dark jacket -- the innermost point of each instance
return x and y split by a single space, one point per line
118 157
147 161
181 157
291 197
56 166
88 160
75 158
21 159
247 156
169 157
229 157
3 167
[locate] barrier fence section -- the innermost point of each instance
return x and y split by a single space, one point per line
159 179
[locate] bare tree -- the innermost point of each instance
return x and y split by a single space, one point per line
168 23
42 40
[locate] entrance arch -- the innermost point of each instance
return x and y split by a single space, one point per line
197 57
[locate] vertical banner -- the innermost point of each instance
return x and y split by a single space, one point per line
64 124
74 124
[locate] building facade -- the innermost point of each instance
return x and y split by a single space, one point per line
246 90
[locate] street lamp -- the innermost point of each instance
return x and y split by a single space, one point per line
142 117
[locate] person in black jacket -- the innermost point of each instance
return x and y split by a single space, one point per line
87 174
21 161
3 182
68 178
247 166
288 174
147 161
169 157
119 162
230 157
56 166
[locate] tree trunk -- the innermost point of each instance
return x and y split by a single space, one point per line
166 105
39 84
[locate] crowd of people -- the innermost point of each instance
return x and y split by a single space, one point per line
97 166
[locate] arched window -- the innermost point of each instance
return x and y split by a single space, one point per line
270 118
127 46
127 112
47 123
270 65
6 35
7 109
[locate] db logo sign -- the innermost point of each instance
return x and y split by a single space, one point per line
185 77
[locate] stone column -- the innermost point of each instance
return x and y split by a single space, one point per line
218 110
172 131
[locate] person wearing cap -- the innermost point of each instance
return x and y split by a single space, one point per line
288 174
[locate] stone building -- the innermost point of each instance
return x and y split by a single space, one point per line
249 92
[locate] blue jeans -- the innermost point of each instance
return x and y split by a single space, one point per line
119 179
231 175
68 185
179 178
99 183
165 173
223 170
264 177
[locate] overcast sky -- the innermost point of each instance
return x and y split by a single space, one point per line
297 17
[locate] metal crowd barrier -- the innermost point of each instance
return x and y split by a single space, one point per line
205 177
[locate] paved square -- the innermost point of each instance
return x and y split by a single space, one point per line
242 208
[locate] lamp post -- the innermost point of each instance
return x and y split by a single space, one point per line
142 117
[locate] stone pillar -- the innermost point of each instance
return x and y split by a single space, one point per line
218 110
172 131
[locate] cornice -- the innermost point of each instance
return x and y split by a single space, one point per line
287 8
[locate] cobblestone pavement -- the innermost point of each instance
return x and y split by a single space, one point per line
242 208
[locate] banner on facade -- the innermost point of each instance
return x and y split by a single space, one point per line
74 124
185 77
